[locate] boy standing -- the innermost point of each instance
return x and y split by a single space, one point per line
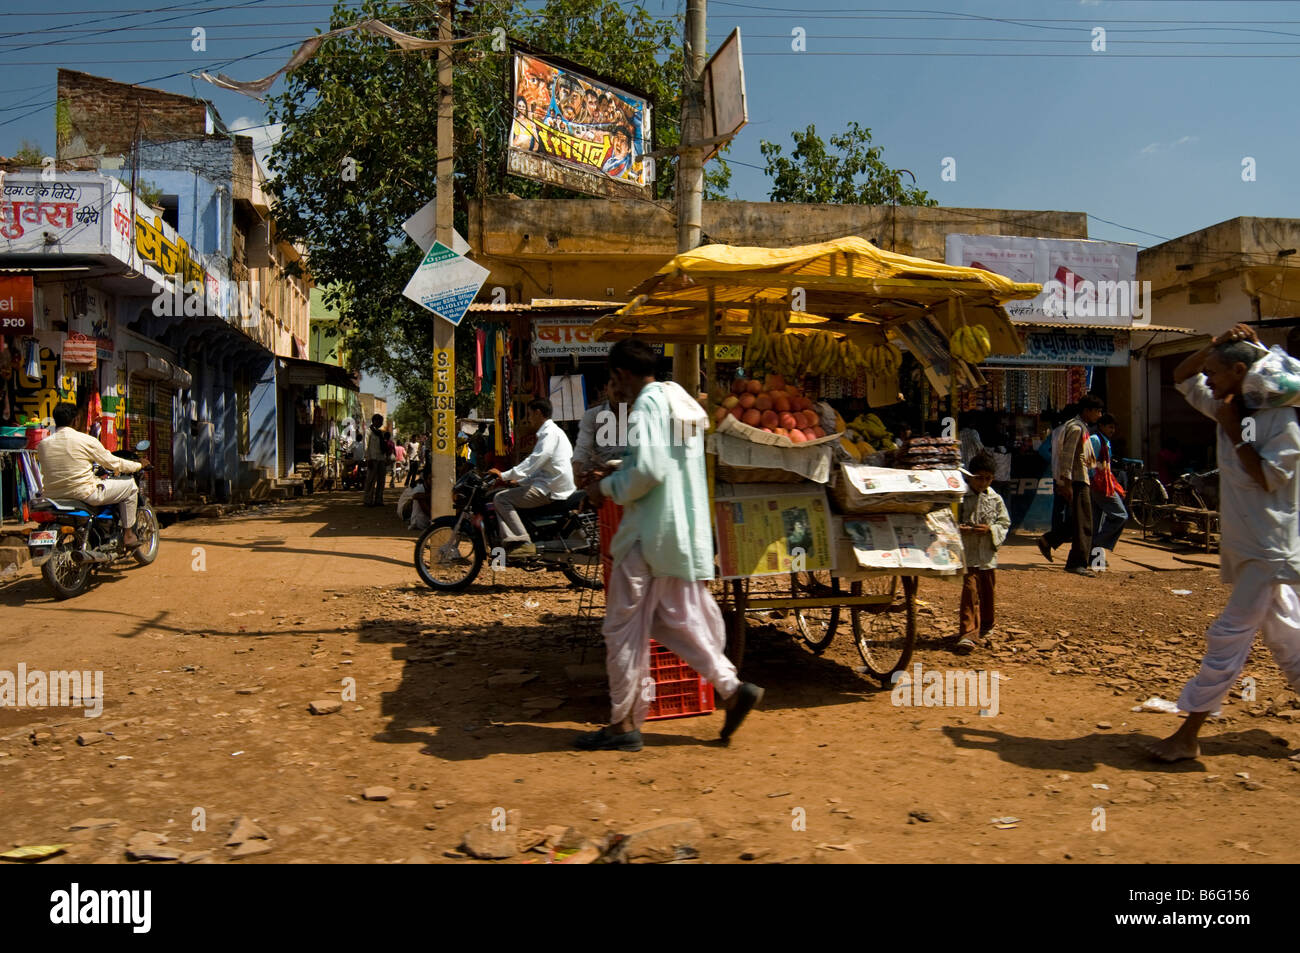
984 523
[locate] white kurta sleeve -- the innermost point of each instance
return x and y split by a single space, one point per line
1198 394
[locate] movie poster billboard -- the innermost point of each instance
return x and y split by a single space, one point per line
577 132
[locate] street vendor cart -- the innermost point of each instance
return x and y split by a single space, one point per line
806 315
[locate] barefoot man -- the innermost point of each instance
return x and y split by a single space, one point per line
663 553
1259 553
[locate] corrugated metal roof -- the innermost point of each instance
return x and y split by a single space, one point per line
1101 327
547 304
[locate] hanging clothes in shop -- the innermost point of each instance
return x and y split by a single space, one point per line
508 372
498 435
478 360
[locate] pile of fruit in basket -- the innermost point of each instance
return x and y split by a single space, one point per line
772 406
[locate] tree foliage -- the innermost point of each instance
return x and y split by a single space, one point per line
851 172
358 151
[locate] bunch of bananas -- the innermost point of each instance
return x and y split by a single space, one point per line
870 425
884 360
769 327
970 343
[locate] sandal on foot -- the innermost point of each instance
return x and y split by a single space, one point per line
606 740
747 696
965 645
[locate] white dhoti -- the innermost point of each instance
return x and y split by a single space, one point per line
1259 603
679 614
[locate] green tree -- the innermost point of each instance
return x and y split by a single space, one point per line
358 151
29 154
851 172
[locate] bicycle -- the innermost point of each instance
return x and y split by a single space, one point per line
1145 492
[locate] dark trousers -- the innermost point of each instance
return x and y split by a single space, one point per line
1076 526
977 602
374 495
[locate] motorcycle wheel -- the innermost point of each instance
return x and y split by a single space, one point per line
65 577
446 560
581 579
146 528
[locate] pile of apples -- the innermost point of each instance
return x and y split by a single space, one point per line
772 406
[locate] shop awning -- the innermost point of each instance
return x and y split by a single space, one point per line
847 286
151 367
306 373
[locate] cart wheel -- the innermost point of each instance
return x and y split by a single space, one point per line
815 626
886 635
736 626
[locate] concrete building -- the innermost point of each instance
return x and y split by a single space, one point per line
1241 270
246 417
597 250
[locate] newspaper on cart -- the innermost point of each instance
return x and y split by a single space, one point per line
925 544
859 488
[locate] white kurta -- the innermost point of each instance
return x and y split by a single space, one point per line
1256 524
1259 553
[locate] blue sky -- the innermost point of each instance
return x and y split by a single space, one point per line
1149 134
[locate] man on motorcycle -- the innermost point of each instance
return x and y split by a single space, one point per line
68 459
546 476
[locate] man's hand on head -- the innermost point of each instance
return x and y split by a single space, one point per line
1238 332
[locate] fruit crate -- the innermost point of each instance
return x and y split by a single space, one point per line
679 690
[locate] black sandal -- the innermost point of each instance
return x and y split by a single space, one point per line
606 740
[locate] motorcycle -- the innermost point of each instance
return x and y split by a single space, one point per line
354 475
84 539
450 553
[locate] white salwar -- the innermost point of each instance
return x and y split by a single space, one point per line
1259 553
678 613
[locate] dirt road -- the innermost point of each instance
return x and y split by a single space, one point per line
212 656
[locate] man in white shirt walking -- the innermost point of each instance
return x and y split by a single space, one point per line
67 460
545 476
1259 550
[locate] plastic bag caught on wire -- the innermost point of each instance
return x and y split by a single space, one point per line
1273 381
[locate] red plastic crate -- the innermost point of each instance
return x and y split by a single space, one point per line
608 516
679 690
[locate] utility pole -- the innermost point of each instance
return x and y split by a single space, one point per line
443 431
690 172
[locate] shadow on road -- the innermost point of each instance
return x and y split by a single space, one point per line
444 703
1088 752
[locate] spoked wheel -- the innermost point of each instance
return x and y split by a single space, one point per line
1146 494
65 576
447 560
146 530
886 634
815 626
